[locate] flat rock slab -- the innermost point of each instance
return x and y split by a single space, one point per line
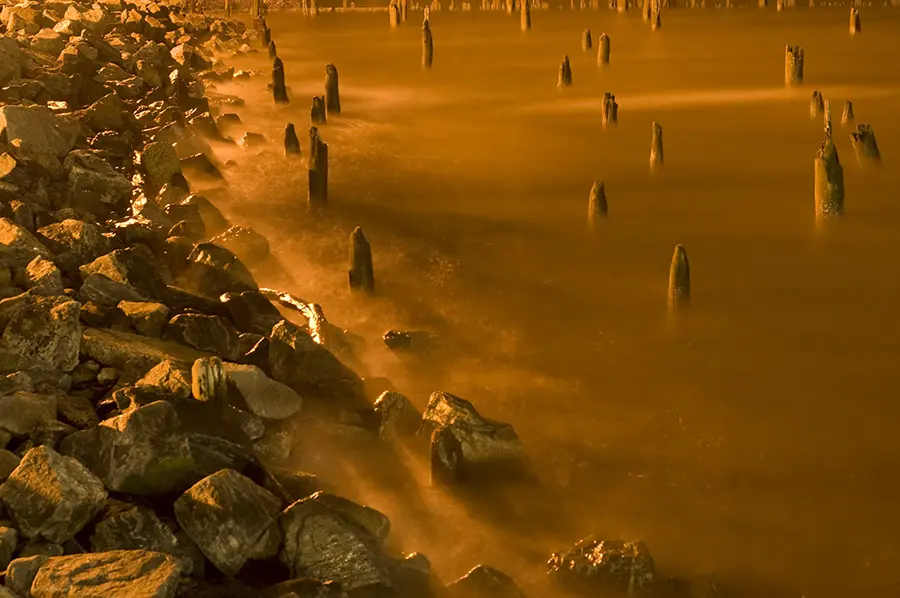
123 350
131 573
265 397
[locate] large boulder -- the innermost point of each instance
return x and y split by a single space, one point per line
374 522
35 136
484 582
109 113
251 312
48 41
595 565
43 277
161 163
211 334
227 515
398 417
264 397
138 528
213 270
106 292
21 412
132 352
10 60
147 318
46 332
75 242
18 246
95 185
137 266
247 244
132 573
51 496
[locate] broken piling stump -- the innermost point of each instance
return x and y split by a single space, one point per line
332 92
267 36
586 41
291 141
228 8
279 90
525 21
427 45
362 273
404 10
656 147
609 111
864 145
793 65
847 116
816 103
394 13
679 280
603 52
655 21
829 182
854 21
273 51
317 114
565 73
317 164
597 207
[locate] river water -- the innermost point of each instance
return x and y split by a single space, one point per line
753 437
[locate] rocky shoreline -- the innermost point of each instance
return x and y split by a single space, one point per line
152 395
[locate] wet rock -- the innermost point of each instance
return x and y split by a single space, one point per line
829 181
147 318
21 572
75 242
132 352
318 540
18 247
136 266
205 333
601 565
34 135
145 574
8 463
484 582
168 378
374 522
43 277
226 515
251 312
11 60
214 270
109 113
98 316
138 528
106 292
362 272
248 245
77 411
447 458
48 41
46 332
107 376
161 163
201 164
399 418
264 397
95 185
51 496
49 434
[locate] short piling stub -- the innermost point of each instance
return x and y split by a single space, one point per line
656 147
597 207
273 51
656 21
816 103
565 73
586 42
361 275
603 51
317 165
679 296
404 10
332 92
829 181
609 111
291 141
317 113
394 13
793 65
427 45
525 21
279 89
864 145
847 116
854 21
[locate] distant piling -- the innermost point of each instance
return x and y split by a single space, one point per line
779 5
362 273
656 147
279 90
603 52
228 9
565 73
679 280
597 207
763 3
827 116
829 183
622 5
847 116
317 164
291 141
646 10
586 42
655 16
404 10
267 36
317 114
394 13
793 65
332 92
864 145
273 51
816 104
609 111
854 21
427 45
526 15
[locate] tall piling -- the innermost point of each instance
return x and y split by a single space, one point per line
317 114
597 207
332 92
656 147
404 10
854 21
427 45
655 18
361 275
525 21
317 164
291 141
829 181
793 65
609 111
394 13
679 296
864 145
603 52
228 8
565 73
586 42
279 89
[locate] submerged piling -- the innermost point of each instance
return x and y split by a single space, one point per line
267 35
793 65
679 280
526 15
609 111
427 45
656 147
829 181
361 274
279 90
317 115
854 21
332 93
291 142
586 42
864 145
317 164
603 52
597 207
847 116
816 103
565 73
273 51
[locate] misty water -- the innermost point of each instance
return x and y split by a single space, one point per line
753 437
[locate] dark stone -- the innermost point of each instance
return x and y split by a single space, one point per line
251 312
484 582
602 566
214 270
205 333
279 90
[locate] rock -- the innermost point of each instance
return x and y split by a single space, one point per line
51 496
107 376
213 219
18 247
48 42
8 463
169 378
264 397
21 571
35 136
484 442
248 245
251 312
94 184
374 522
109 113
310 369
137 266
8 540
484 582
323 543
131 352
77 411
399 417
597 565
106 292
447 460
43 277
226 515
138 528
161 163
214 270
49 434
211 334
97 316
145 574
46 332
147 318
21 412
80 241
10 60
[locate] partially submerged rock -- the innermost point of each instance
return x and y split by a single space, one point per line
604 565
483 582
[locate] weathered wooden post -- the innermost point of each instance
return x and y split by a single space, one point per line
793 65
827 114
779 5
317 164
829 183
332 92
847 116
679 280
404 10
394 13
279 89
816 103
273 51
854 21
597 207
427 45
362 273
864 145
586 41
622 5
603 52
609 111
317 113
763 3
656 147
655 18
228 9
565 73
267 36
291 141
646 10
526 15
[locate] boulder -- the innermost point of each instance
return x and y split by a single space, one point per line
147 318
135 265
263 396
251 312
170 379
35 136
145 574
20 573
138 528
595 565
106 292
213 219
51 496
18 246
484 582
43 277
160 162
227 515
10 60
77 410
46 332
132 352
109 113
213 270
95 185
21 412
48 41
210 334
75 242
244 242
398 417
374 522
8 540
8 463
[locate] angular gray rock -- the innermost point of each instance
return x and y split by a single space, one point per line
214 270
21 412
170 378
399 417
482 582
18 246
94 184
147 318
10 60
226 515
138 528
248 245
104 291
132 352
46 332
35 136
266 398
51 496
205 333
21 571
43 277
132 573
604 565
374 522
82 241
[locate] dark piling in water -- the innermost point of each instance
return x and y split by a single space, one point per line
273 51
394 13
847 116
565 73
829 183
679 280
586 42
317 115
332 91
816 103
525 21
646 10
603 52
427 45
854 21
793 65
267 36
597 207
609 111
279 90
291 141
404 10
317 164
362 273
656 21
228 9
656 147
864 145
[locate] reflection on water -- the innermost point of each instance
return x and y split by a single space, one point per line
754 436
